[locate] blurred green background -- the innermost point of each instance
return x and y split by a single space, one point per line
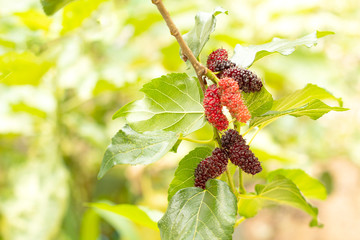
63 77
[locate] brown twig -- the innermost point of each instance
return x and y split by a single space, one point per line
199 68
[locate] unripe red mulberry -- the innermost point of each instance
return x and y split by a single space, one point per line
239 152
218 60
213 108
218 54
211 167
247 80
230 97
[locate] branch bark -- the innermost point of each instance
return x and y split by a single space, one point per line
199 68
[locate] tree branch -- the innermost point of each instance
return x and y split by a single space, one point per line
199 68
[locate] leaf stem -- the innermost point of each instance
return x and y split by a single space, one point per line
240 220
196 141
242 189
186 51
257 131
247 131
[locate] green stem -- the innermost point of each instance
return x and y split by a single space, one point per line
231 182
257 131
217 136
240 220
242 189
212 76
196 141
237 125
247 131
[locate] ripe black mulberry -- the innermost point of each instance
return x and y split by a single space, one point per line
247 80
211 167
239 152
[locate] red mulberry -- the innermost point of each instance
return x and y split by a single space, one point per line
230 97
247 80
213 108
218 54
211 167
239 152
218 60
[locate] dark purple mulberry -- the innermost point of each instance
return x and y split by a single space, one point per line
211 167
213 108
230 137
239 152
221 65
247 80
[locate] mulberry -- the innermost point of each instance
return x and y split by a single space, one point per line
220 65
213 108
211 167
247 80
230 97
239 152
218 60
218 54
230 137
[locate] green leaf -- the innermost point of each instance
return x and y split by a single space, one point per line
303 96
265 156
176 146
303 102
89 225
248 208
8 44
204 25
75 13
23 107
258 102
123 226
279 190
184 174
309 186
35 20
130 147
314 109
52 6
194 213
103 86
22 68
131 212
171 103
246 56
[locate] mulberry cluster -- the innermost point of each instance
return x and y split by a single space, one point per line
211 167
239 153
231 98
247 80
218 61
213 108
